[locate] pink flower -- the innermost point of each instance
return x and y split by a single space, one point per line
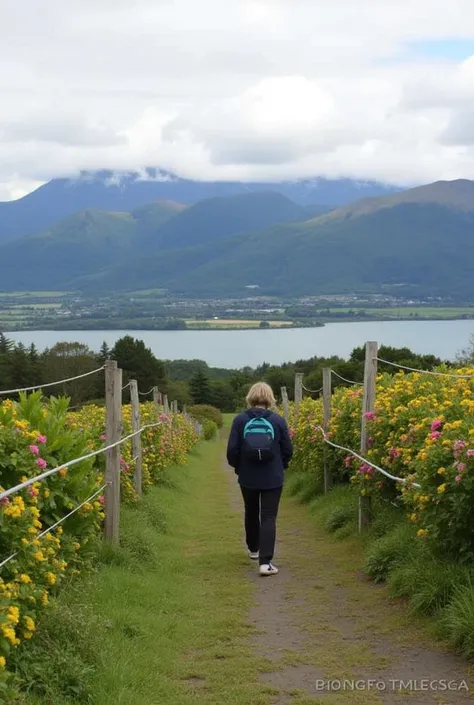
435 435
41 463
34 450
436 425
103 437
470 453
370 441
102 499
460 467
394 452
458 478
348 461
459 445
5 501
370 415
41 439
32 491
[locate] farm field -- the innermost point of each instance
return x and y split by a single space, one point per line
235 323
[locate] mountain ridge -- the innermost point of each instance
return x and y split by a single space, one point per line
125 191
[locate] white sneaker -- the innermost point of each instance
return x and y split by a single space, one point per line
268 569
253 555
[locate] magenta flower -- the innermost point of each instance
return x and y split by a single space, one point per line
34 450
370 415
436 425
370 441
41 463
460 467
435 435
348 461
394 452
470 453
41 439
32 491
458 478
459 445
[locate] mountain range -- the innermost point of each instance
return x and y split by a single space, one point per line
417 242
126 191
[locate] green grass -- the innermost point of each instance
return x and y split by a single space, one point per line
145 628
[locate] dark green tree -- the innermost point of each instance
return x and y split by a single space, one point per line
200 388
138 362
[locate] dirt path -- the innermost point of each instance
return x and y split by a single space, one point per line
320 620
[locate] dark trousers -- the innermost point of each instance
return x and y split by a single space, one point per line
261 509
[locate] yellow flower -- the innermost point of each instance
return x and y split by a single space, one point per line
422 532
24 578
63 472
442 488
413 517
39 556
441 471
30 624
9 633
51 578
3 662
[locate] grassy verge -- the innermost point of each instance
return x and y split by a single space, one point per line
145 628
433 587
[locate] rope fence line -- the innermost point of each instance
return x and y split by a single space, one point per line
423 372
145 394
312 391
364 460
54 526
125 386
51 384
344 379
64 466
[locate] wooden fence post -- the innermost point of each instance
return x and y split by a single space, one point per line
298 390
175 407
370 380
166 404
326 419
286 405
156 399
136 440
113 397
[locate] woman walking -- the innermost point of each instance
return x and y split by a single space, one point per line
259 449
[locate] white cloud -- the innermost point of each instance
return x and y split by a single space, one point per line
257 89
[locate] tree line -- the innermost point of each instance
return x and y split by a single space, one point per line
186 381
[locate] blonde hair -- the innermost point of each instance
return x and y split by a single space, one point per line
261 394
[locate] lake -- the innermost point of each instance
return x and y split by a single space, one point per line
252 347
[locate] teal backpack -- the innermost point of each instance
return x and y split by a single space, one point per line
258 440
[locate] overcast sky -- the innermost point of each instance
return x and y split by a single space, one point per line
379 89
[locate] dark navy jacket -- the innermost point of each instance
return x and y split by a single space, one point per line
267 476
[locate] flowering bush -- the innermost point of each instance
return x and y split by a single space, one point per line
35 436
422 430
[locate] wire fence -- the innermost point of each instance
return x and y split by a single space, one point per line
4 392
424 372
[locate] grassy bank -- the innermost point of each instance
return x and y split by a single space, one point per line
145 627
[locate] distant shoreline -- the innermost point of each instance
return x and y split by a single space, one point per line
227 328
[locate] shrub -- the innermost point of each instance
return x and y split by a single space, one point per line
428 584
205 412
458 619
339 517
390 550
209 430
